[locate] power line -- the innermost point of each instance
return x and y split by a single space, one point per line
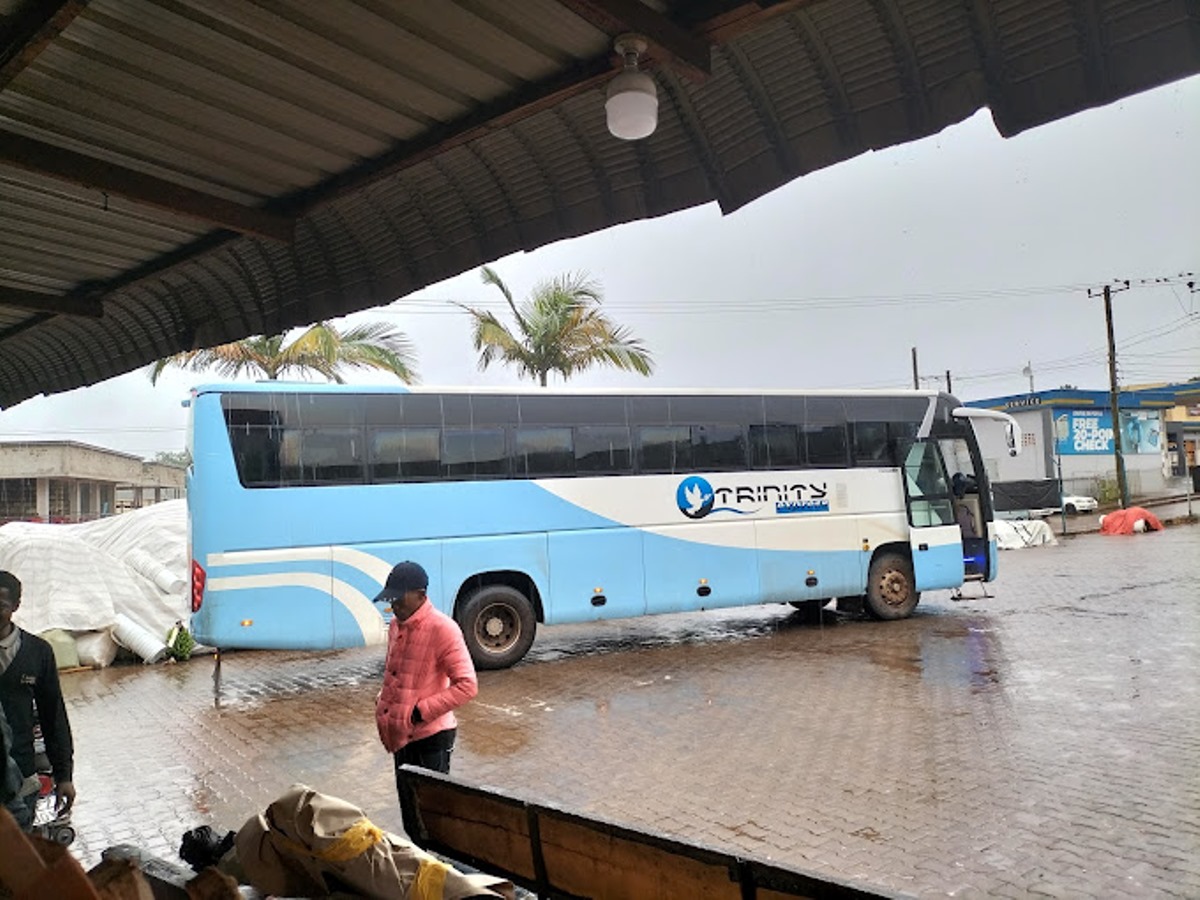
713 306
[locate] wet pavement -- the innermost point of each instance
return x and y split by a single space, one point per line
1044 741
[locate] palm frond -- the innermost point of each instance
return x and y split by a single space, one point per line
321 348
561 328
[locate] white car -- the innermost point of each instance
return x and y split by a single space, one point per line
1078 503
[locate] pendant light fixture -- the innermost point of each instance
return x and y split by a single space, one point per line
632 104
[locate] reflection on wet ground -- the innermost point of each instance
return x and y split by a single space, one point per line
1043 741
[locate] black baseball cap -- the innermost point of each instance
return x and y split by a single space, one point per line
404 577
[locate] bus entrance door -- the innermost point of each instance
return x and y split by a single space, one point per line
934 536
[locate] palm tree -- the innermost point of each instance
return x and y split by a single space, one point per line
322 348
560 328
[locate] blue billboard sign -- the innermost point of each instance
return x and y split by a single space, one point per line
1089 431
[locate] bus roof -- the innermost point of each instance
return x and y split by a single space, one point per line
306 387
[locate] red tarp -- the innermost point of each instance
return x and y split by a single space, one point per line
1121 521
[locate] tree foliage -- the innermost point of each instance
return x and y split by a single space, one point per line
559 328
181 459
322 348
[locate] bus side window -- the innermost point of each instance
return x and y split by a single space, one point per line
775 447
254 436
322 456
664 448
716 447
872 444
541 452
405 454
470 454
603 449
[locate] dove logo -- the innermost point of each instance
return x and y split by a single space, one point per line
695 497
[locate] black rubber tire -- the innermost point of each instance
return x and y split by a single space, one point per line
891 587
1071 510
498 624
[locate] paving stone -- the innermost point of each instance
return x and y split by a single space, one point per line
1043 742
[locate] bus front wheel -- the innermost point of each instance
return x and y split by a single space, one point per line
891 587
498 624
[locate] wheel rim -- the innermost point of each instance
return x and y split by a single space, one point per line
497 628
894 589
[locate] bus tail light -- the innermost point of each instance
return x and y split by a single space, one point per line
198 578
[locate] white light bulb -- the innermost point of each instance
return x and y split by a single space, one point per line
632 106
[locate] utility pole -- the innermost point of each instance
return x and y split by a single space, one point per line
1114 394
949 390
916 376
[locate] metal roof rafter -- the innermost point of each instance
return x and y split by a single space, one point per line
97 174
33 32
679 47
51 303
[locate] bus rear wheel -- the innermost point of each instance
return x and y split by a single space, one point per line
498 624
891 587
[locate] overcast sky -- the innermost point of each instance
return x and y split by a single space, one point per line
977 251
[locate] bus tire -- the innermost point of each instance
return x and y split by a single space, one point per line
498 625
891 587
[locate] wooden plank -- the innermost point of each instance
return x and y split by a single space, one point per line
559 853
587 861
485 829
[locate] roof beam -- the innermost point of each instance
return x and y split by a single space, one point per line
51 303
721 21
39 23
97 174
529 101
532 99
678 47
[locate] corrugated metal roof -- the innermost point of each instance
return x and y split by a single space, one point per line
234 168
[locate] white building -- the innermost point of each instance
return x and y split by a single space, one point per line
65 481
1070 433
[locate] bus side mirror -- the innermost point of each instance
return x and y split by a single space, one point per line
1012 430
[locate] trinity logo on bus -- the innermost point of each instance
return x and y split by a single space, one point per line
698 498
531 508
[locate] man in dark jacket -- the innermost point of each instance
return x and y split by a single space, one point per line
29 694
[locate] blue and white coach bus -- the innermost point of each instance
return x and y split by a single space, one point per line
551 507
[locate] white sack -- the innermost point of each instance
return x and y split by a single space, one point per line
78 577
95 648
1016 534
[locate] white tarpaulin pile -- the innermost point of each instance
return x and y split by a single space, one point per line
1015 534
130 569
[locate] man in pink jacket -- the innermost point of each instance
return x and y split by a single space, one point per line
427 675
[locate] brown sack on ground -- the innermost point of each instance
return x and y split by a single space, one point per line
308 844
213 885
120 879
